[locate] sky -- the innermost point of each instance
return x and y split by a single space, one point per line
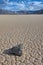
17 5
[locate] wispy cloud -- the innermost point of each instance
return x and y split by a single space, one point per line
15 6
31 6
36 5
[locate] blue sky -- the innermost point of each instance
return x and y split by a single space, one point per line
15 5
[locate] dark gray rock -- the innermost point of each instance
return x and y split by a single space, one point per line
17 50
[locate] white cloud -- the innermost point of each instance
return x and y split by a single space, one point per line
31 6
36 5
16 6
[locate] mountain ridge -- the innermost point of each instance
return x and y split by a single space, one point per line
21 12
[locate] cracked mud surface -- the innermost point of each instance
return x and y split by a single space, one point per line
30 34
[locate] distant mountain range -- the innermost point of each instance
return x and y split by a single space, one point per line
38 12
21 12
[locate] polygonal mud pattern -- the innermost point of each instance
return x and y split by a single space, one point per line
31 36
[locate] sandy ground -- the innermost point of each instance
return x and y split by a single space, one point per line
21 29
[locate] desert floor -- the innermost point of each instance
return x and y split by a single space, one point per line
21 29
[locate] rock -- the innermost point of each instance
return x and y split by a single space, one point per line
17 50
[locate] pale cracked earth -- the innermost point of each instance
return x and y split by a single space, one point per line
29 34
